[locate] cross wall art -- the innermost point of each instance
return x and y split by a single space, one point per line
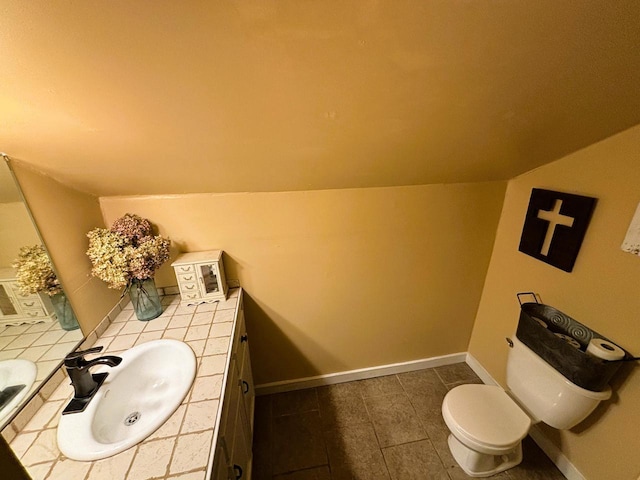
555 226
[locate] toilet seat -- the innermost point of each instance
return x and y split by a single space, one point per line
485 418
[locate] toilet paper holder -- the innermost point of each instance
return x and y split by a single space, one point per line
542 328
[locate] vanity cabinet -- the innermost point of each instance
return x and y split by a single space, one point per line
201 277
17 308
233 458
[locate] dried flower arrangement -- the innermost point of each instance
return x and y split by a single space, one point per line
127 252
34 272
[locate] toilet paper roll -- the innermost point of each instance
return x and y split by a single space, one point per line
541 322
606 350
570 340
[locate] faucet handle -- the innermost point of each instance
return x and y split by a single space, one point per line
74 358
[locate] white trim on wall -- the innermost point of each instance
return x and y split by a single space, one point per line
361 374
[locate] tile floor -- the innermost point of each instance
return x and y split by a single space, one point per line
386 428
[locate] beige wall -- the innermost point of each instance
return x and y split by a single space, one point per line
341 279
601 292
16 230
64 216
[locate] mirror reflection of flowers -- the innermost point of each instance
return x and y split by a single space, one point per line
34 272
127 252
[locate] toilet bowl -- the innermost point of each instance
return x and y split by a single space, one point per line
488 424
487 428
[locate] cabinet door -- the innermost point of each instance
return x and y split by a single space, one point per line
241 456
209 279
246 383
7 307
221 467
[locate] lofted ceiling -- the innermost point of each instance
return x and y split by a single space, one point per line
158 97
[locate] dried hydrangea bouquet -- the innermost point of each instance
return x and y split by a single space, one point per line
127 256
34 274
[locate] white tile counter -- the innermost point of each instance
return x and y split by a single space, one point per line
181 448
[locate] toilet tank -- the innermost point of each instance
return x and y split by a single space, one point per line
545 393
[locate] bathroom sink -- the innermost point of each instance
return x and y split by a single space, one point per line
136 398
16 378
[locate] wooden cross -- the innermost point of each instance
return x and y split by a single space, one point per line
555 218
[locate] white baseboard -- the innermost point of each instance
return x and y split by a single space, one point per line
567 468
547 446
361 374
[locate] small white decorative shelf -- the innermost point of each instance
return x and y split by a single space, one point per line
200 277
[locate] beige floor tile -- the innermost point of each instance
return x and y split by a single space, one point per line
318 473
339 390
297 401
298 442
394 420
456 373
343 411
355 451
414 461
386 385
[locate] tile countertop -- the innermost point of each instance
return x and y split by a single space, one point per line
179 449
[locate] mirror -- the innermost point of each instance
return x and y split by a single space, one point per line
33 341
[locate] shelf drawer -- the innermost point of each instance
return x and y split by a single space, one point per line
35 313
189 287
27 303
184 269
186 277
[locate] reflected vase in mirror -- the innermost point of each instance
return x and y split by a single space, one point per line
145 299
66 318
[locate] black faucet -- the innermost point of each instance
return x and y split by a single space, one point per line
85 383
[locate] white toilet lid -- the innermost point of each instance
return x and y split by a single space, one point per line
485 416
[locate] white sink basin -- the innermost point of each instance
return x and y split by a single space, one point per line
137 397
14 374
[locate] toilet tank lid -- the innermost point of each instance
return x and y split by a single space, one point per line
485 414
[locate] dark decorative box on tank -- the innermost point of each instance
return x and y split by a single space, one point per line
537 329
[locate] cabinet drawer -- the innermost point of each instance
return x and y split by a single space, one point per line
27 303
189 287
35 313
22 296
187 277
184 269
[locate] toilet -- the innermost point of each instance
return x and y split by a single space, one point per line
488 424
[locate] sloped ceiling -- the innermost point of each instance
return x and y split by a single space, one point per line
153 97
